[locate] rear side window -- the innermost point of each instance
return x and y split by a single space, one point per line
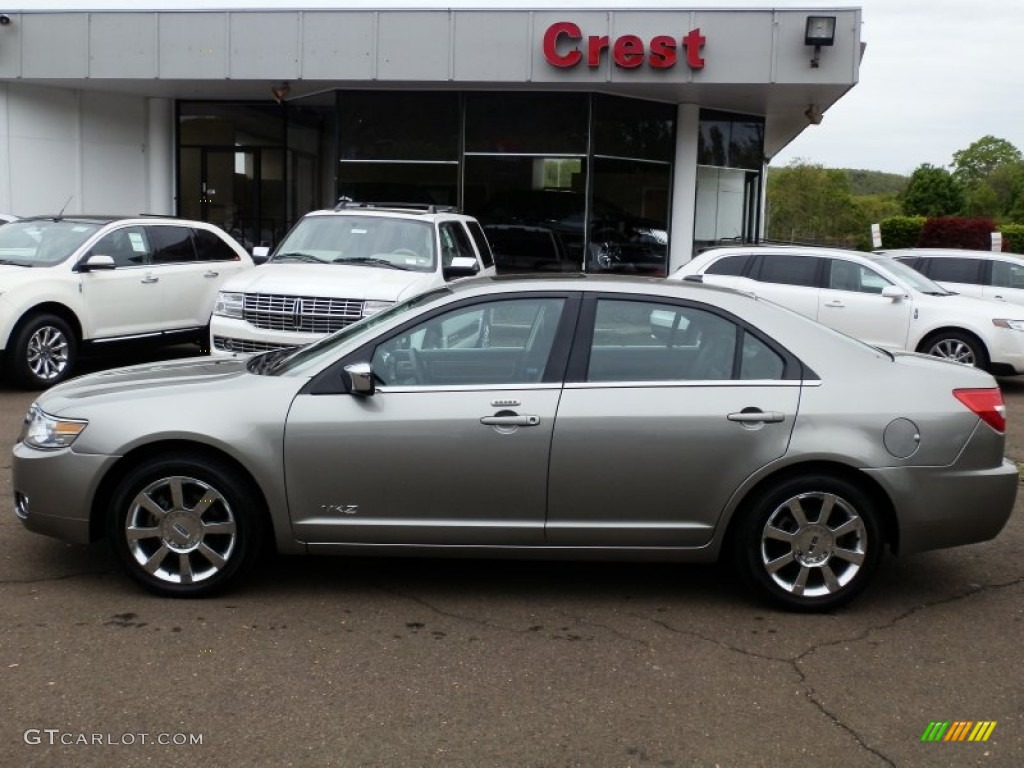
481 243
211 247
953 270
730 265
172 245
789 269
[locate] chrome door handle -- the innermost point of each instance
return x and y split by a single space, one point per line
510 421
150 279
211 273
755 416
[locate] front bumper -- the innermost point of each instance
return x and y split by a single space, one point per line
230 336
54 490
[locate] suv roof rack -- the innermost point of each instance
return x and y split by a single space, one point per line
346 202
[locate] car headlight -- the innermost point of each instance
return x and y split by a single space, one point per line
229 304
49 433
1013 325
373 307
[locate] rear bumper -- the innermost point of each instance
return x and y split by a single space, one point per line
946 507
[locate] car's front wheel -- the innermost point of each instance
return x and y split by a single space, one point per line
42 351
184 527
957 346
809 543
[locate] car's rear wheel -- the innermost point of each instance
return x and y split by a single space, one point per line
42 352
957 346
809 543
184 527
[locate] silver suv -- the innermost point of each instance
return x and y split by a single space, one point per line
336 267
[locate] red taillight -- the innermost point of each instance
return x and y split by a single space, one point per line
987 404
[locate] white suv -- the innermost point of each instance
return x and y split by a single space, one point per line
69 284
338 266
984 274
871 297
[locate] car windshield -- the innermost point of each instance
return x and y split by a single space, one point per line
372 241
314 356
911 276
43 242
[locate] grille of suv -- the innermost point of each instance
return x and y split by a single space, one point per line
300 314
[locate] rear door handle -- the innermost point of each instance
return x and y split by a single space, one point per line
510 421
755 416
150 279
835 304
211 273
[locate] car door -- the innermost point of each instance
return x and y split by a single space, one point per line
186 303
852 302
657 428
453 446
126 300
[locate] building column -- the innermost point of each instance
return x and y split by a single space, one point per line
684 186
160 156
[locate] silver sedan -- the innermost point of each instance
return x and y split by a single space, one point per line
533 417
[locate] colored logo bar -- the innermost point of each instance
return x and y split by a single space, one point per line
959 730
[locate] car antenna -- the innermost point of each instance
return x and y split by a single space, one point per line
60 215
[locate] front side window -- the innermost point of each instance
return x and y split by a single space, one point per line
1007 275
492 343
128 247
850 276
454 242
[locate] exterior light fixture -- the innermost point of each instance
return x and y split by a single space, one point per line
820 30
813 114
280 92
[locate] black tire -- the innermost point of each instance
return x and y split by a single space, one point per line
43 352
958 346
813 564
199 525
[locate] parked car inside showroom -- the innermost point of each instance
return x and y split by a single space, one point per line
531 417
338 266
74 284
872 297
983 274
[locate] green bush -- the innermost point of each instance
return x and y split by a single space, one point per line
1013 237
901 231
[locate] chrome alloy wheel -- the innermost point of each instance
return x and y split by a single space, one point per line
180 530
954 349
813 544
47 354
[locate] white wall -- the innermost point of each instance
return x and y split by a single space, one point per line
82 149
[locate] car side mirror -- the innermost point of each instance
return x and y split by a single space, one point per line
461 266
893 292
260 254
97 262
360 379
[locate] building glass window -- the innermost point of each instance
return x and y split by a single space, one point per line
530 123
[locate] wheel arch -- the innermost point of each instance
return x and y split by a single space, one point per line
926 339
887 513
63 311
145 453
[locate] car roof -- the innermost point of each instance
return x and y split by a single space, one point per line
87 218
948 253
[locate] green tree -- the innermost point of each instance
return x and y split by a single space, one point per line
973 165
933 191
809 203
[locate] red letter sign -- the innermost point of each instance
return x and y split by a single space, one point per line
555 31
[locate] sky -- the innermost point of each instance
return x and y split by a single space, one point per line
937 75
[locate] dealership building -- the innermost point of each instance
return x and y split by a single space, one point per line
591 121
